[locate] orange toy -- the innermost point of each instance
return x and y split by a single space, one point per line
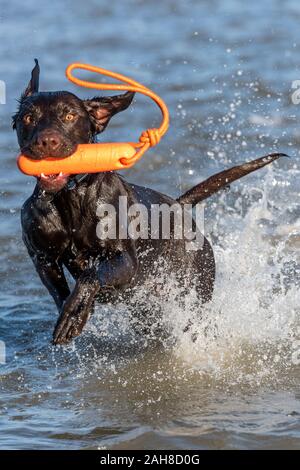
94 158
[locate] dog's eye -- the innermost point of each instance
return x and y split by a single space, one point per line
28 119
69 117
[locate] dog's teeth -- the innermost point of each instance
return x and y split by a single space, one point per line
61 174
43 175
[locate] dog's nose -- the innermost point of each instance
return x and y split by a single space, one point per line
48 141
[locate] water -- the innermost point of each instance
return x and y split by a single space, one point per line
225 69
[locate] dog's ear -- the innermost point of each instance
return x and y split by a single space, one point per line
33 85
101 109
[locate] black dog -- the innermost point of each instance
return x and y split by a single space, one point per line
59 220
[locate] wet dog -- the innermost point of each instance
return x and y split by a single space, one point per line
59 219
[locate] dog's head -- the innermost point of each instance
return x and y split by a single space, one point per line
52 124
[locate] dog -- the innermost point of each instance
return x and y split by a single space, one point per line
59 222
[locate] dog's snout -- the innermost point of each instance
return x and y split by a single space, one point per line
48 142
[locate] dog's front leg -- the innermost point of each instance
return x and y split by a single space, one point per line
50 271
114 272
52 276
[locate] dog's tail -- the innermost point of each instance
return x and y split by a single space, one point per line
222 180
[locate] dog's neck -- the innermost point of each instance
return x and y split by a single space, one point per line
75 180
76 184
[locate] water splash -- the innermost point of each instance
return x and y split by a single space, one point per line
249 331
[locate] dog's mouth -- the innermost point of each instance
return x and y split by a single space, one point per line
53 183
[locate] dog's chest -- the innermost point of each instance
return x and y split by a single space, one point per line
78 215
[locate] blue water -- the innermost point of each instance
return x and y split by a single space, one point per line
225 70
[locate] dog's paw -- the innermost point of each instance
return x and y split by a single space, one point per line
69 325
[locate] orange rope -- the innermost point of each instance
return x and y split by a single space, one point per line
148 138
